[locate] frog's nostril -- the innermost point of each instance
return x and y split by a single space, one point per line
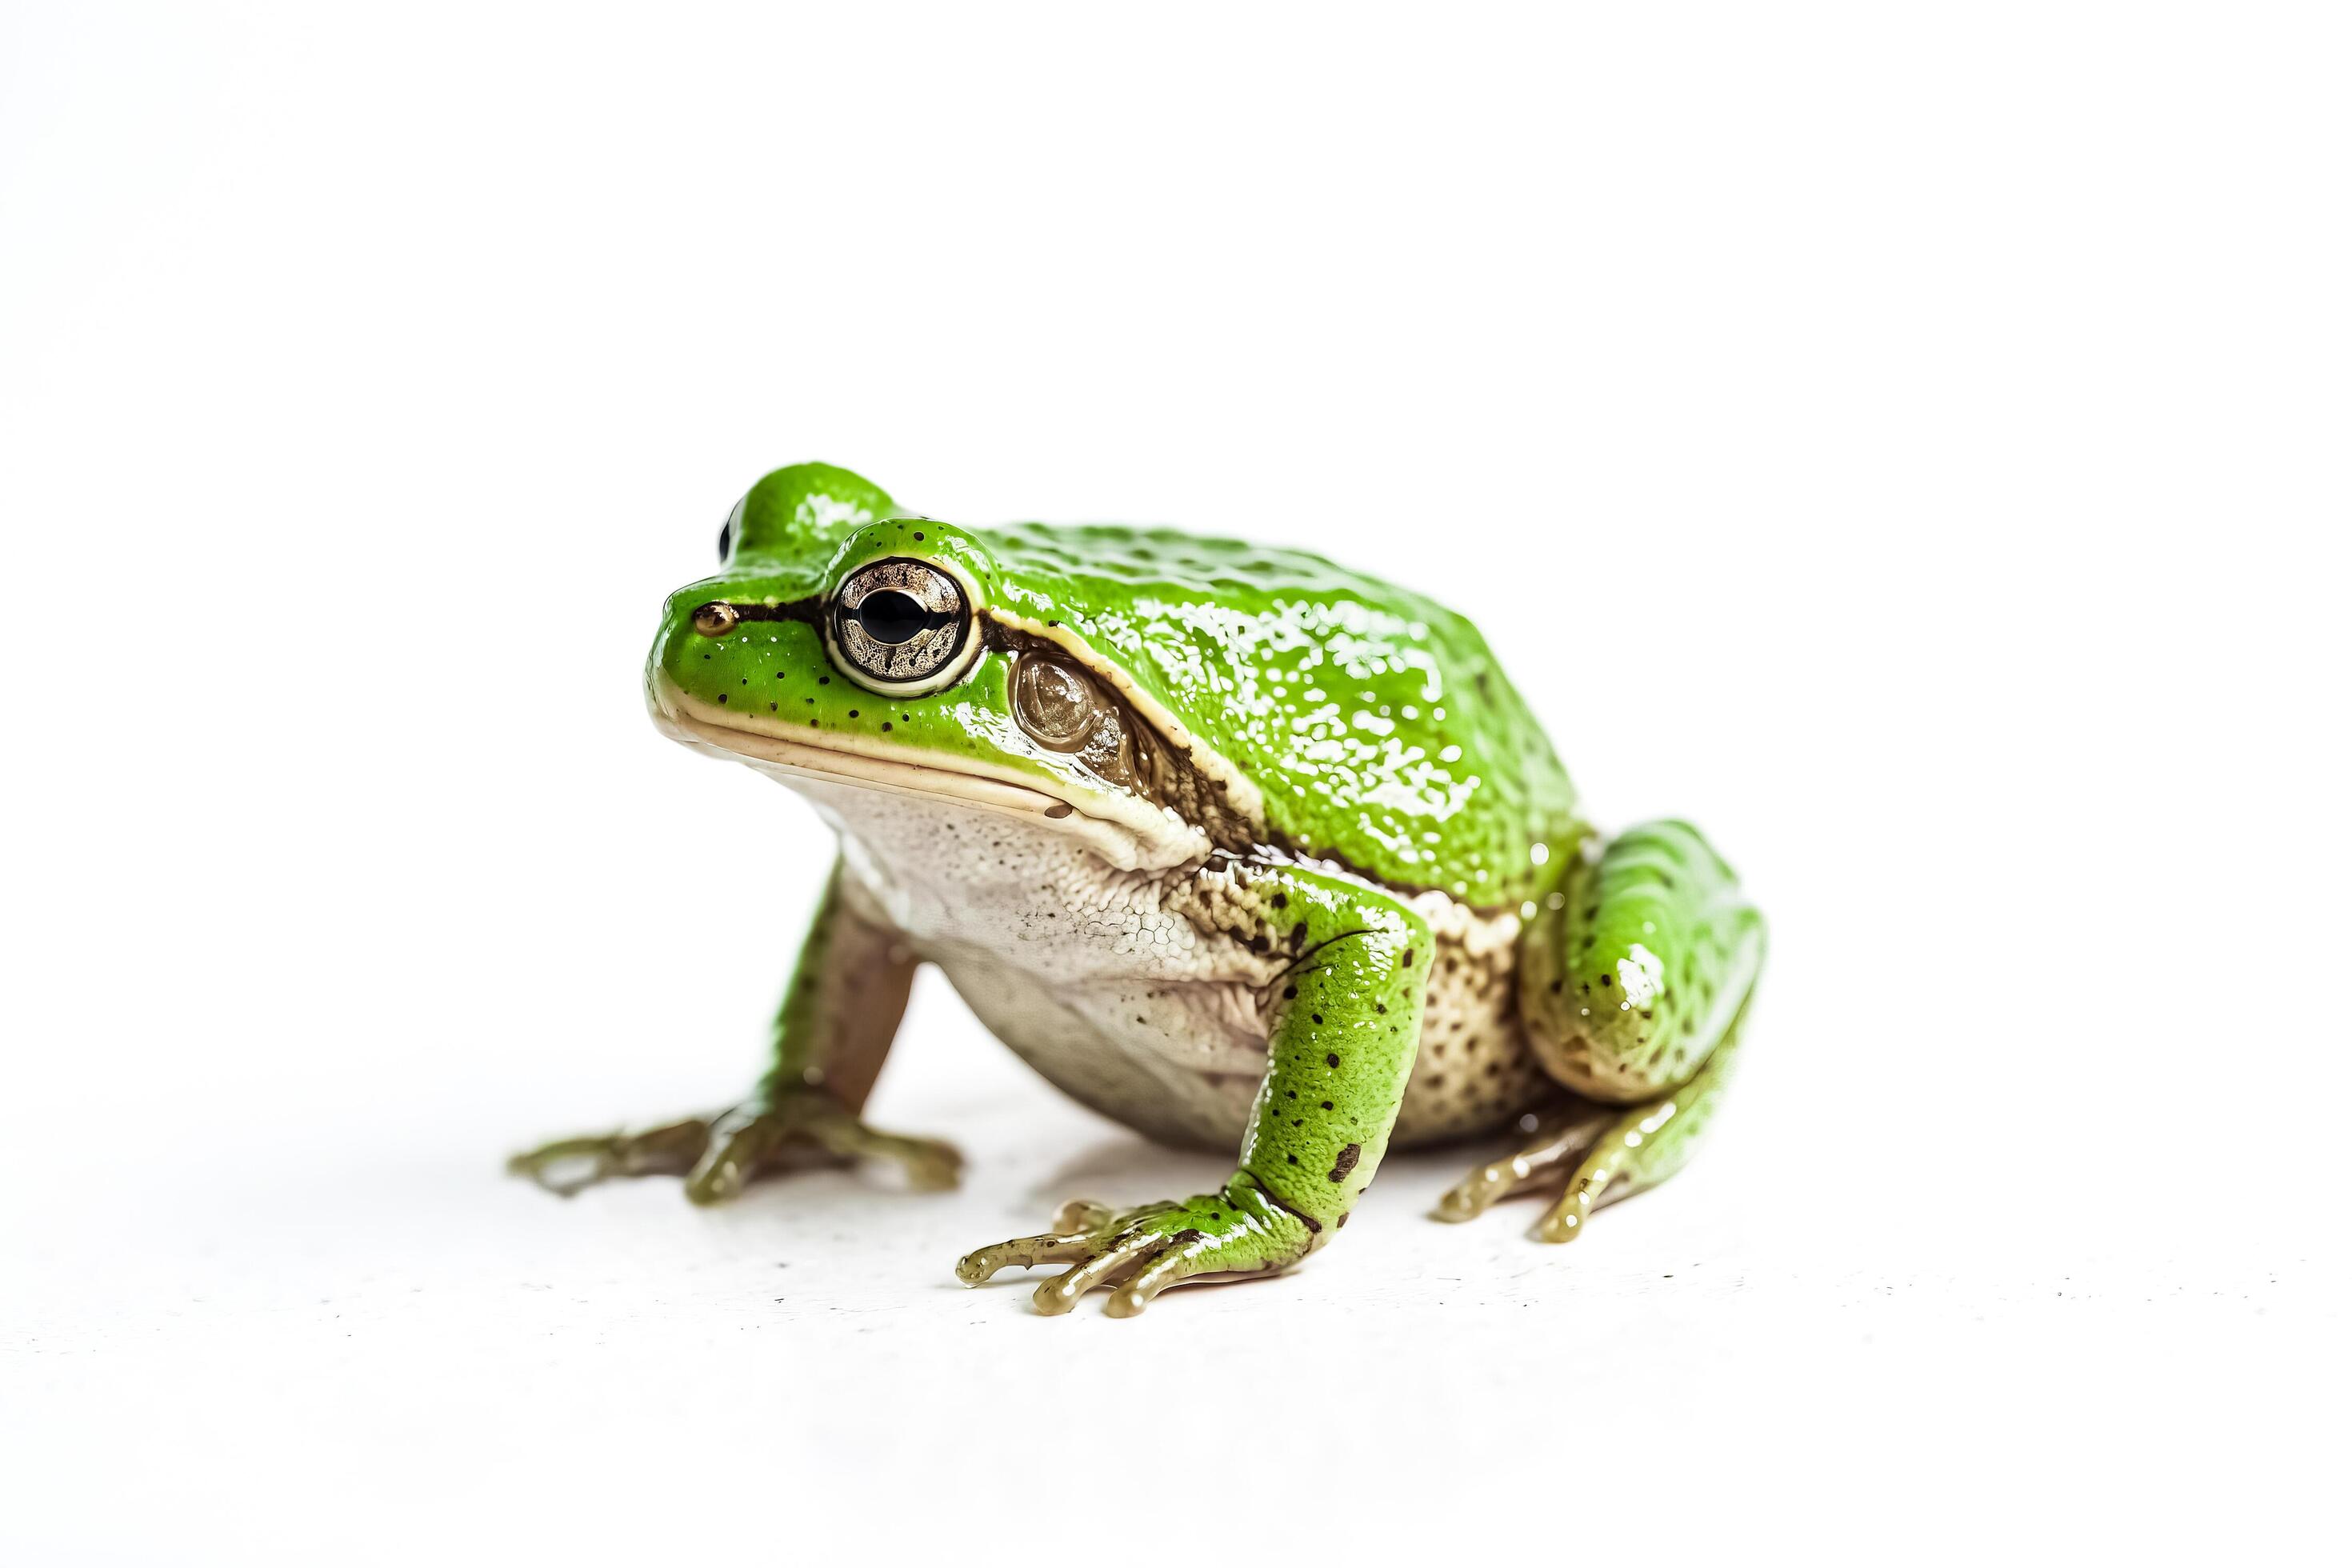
715 619
892 617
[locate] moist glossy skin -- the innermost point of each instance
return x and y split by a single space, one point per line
1376 726
1229 842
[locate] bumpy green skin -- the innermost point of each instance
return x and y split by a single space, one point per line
1377 727
1373 756
1637 963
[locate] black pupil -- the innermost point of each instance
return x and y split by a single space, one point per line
890 616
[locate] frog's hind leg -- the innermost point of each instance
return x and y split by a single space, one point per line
1634 980
1642 1147
1560 1139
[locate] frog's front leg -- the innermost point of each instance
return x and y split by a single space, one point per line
840 1013
1343 1022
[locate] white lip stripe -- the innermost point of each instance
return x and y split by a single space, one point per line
1141 837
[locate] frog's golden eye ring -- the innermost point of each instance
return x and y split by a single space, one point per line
902 628
716 619
1055 702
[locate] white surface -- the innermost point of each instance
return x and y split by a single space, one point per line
1911 447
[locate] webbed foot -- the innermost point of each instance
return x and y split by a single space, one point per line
719 1155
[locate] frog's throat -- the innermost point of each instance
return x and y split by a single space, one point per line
1128 833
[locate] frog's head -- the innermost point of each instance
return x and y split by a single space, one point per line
845 645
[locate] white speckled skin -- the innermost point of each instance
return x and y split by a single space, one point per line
1127 990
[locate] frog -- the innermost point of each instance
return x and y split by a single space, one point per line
1235 846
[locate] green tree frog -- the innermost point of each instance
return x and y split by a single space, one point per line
1235 846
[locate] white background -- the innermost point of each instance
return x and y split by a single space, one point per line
1909 441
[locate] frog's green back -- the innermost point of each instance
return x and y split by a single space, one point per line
1375 722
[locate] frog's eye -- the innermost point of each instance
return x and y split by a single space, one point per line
1055 702
728 532
902 628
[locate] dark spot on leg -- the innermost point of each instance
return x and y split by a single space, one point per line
1330 1058
1346 1161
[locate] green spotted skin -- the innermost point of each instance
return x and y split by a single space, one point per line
1346 1023
1331 875
1637 965
1378 729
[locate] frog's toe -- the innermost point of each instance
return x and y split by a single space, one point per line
930 1165
801 1128
1558 1140
1082 1230
1021 1252
740 1143
721 1155
1080 1215
1116 1260
1186 1255
1138 1253
1564 1221
1479 1190
569 1165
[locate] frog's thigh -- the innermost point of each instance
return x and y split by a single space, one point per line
1634 979
1636 963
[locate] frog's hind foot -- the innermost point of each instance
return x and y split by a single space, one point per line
1560 1138
1595 1154
719 1155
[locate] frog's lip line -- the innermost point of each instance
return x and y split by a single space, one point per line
1132 839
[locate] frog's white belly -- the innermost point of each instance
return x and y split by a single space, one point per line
1095 977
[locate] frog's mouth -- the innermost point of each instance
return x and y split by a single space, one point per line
1130 833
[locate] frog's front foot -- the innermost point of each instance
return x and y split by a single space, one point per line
1140 1252
719 1155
